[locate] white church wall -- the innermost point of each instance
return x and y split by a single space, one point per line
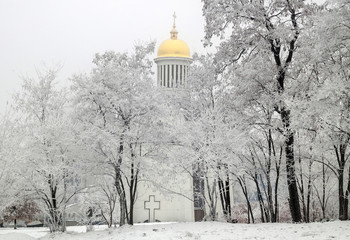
169 204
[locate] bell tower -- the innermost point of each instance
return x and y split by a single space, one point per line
173 60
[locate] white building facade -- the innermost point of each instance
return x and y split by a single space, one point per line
176 202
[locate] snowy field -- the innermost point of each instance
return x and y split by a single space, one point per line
195 231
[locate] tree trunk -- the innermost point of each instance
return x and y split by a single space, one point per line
122 209
347 193
278 168
198 191
341 194
227 198
300 183
268 177
212 198
264 216
270 199
53 207
290 166
243 185
321 196
308 197
63 227
110 220
224 191
323 203
122 198
134 171
131 187
118 183
343 201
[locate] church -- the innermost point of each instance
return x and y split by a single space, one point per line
173 205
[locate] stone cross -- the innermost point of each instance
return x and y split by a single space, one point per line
151 205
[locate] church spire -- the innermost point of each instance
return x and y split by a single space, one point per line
173 33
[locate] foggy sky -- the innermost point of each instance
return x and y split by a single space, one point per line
69 32
34 33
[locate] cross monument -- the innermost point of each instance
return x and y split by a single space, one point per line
152 205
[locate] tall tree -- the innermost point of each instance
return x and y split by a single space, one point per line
324 101
48 148
117 106
268 30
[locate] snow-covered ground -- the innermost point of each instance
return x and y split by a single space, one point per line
191 231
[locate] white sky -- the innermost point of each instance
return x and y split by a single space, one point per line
70 32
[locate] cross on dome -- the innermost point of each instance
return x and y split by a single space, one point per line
174 16
173 47
173 33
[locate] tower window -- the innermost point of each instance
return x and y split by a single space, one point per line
176 75
162 82
163 75
172 75
160 75
181 74
168 76
185 75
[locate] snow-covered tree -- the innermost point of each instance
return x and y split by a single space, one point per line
48 150
117 105
323 101
99 202
202 135
263 34
10 167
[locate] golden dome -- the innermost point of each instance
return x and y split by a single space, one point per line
174 47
